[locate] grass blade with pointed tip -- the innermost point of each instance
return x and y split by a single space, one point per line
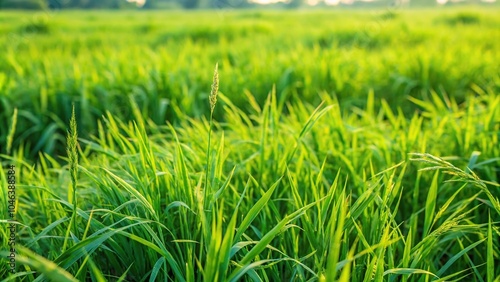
456 257
254 211
47 268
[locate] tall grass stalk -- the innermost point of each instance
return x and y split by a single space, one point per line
12 131
213 101
72 151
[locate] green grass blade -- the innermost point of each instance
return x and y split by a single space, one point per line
49 269
254 211
490 264
430 205
457 256
156 269
408 271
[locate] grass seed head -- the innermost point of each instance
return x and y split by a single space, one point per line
215 89
72 143
10 137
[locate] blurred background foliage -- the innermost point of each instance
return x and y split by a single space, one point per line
162 62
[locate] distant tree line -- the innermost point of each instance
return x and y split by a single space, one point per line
193 4
120 4
61 4
186 4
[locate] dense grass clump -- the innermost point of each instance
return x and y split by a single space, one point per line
38 25
463 18
364 162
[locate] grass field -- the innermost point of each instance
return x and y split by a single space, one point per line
345 145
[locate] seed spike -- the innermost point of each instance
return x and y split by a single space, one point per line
215 89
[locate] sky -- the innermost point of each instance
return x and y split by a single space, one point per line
139 2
